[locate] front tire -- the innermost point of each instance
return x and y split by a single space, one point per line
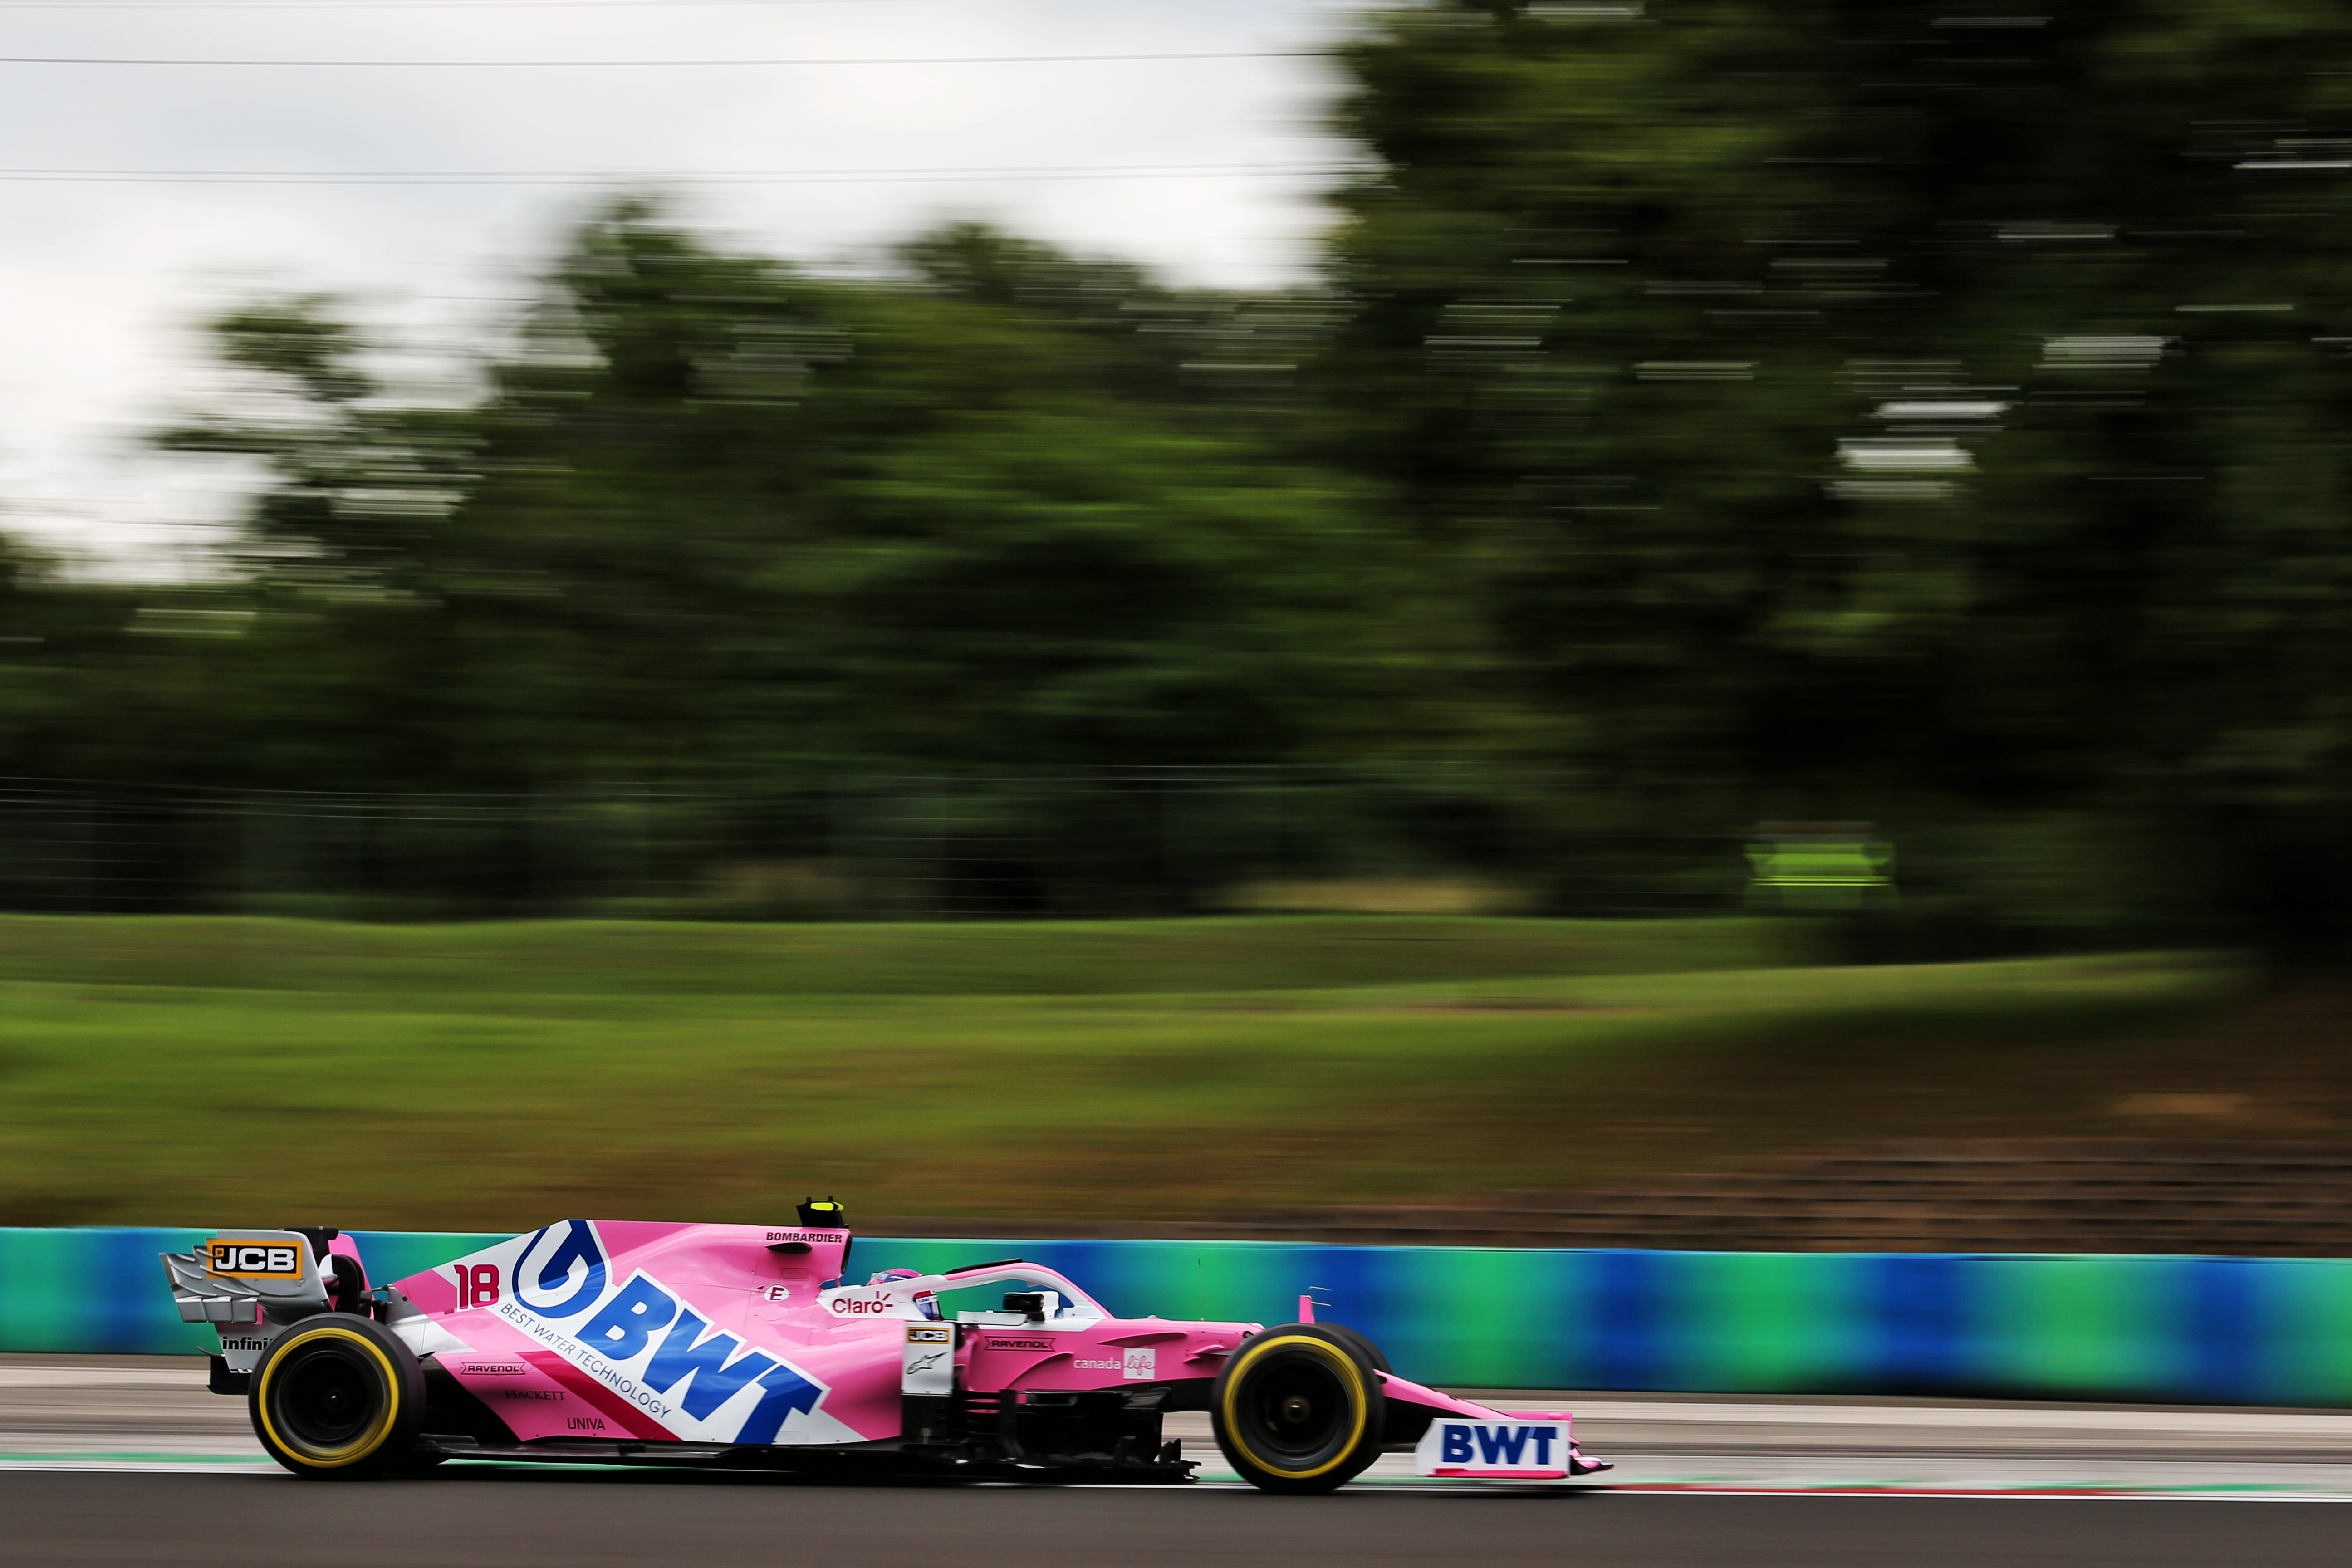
1299 1409
1371 1352
338 1396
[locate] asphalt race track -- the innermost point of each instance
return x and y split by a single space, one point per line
527 1518
127 1459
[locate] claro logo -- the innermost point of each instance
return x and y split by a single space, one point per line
858 1306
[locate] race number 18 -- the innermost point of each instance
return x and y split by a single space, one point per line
478 1284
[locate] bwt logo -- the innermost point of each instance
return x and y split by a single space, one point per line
1499 1446
570 1278
249 1260
575 1263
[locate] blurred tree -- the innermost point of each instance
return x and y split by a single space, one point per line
1851 411
356 489
42 629
717 522
333 673
1872 410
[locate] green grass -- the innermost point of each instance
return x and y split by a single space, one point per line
607 960
250 1071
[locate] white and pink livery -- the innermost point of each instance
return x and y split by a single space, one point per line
742 1345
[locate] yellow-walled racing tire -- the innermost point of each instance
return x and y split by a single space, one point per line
338 1396
1298 1408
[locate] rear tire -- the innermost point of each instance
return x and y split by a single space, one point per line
338 1396
1298 1408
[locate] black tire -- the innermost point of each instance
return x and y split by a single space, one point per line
1371 1352
1298 1408
338 1396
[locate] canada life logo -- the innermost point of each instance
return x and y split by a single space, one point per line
645 1343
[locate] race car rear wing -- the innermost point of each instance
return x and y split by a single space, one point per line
247 1277
249 1286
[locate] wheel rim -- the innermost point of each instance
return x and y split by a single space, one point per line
329 1401
326 1399
1297 1409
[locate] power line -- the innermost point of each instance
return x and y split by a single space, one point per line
402 5
461 177
661 64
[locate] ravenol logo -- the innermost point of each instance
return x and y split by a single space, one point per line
570 1278
253 1260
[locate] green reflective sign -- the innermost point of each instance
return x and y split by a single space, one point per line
1827 869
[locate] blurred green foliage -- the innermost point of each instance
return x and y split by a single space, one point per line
1130 1069
1708 414
714 520
622 963
1866 411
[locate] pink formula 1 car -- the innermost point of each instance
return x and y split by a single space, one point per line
741 1345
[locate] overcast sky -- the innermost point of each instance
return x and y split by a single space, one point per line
102 281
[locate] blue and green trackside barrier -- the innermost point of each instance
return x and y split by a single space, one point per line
2261 1330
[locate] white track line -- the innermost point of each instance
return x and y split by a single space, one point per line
1212 1482
101 1377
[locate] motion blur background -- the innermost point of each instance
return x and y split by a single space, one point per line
1547 593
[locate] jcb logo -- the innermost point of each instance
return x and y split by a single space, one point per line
253 1260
